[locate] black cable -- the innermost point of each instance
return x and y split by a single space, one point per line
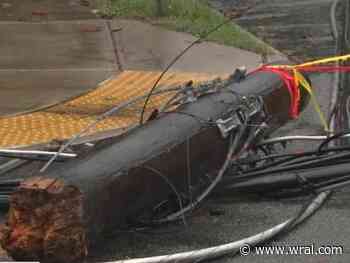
295 159
197 118
337 51
295 192
334 186
270 179
298 154
327 185
332 181
233 152
31 158
189 168
14 182
305 184
331 138
271 164
197 41
172 187
305 159
288 179
307 164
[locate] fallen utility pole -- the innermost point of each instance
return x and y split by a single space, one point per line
57 217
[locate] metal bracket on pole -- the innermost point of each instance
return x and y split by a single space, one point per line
249 108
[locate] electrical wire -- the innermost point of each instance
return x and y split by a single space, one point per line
200 198
333 181
173 188
176 96
333 20
296 155
294 138
35 155
180 55
289 179
331 138
101 117
7 187
229 158
294 167
234 247
290 158
334 186
13 182
197 118
106 114
327 185
314 157
299 138
189 168
271 164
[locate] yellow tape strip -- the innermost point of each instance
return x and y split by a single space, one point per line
305 84
299 79
324 61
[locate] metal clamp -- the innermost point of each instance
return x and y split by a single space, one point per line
249 108
189 96
227 125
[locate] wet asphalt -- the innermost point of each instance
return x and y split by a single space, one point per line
299 28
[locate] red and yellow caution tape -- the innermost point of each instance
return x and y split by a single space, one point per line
294 81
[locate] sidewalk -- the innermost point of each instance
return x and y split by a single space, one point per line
143 46
51 51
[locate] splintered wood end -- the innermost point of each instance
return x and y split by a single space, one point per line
45 222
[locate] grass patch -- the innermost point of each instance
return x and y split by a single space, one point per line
191 16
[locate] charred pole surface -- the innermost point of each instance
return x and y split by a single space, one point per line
57 217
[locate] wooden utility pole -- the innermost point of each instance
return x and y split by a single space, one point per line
58 216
